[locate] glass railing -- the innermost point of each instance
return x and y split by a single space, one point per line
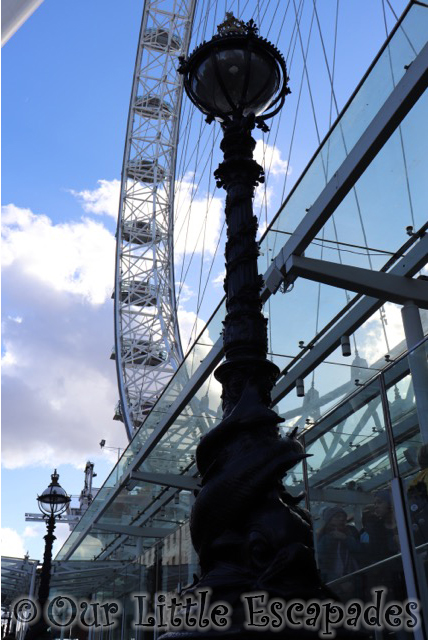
358 450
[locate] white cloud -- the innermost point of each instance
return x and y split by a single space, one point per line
59 387
197 215
262 228
263 196
60 391
62 532
270 158
16 545
12 544
190 328
184 292
371 339
219 279
197 220
210 392
104 200
77 257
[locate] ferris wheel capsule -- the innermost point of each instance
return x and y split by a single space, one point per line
146 407
160 39
141 352
148 171
151 106
118 414
138 293
140 232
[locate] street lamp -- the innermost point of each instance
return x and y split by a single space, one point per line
249 532
118 449
52 503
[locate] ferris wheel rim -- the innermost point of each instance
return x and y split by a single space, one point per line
159 41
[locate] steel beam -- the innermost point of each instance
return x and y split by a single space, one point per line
168 479
340 496
395 108
385 286
356 459
140 532
413 330
410 264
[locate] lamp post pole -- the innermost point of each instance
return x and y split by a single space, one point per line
249 532
52 503
45 574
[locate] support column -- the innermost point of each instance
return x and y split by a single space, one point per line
417 363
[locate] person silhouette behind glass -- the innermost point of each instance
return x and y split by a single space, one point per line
379 541
338 548
379 534
417 496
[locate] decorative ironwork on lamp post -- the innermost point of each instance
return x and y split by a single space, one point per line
52 503
249 532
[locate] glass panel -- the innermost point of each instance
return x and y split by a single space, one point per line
333 380
294 482
406 43
350 499
176 560
407 391
375 215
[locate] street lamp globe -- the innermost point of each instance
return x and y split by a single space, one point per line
54 499
235 74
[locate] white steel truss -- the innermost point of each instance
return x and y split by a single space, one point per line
147 340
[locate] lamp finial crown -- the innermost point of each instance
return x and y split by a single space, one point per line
231 25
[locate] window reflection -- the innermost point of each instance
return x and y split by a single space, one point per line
407 391
349 476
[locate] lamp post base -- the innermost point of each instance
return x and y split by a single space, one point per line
39 631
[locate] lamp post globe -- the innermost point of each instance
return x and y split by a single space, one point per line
236 74
54 500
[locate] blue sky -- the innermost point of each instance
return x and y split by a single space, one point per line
67 77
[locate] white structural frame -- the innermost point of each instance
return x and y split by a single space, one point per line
147 339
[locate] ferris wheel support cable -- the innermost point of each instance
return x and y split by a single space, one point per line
184 270
354 190
182 280
264 5
333 101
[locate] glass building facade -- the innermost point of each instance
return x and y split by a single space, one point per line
366 487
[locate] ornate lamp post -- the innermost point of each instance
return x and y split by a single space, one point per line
249 532
52 503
